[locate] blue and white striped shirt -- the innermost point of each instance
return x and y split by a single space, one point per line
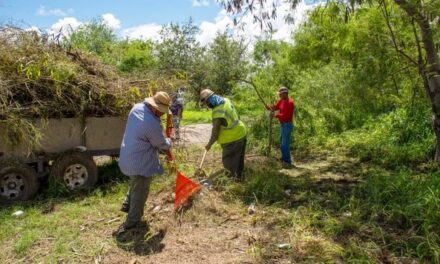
142 141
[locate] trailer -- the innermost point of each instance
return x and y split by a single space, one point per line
65 154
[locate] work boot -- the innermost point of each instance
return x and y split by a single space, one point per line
126 203
140 224
125 208
123 229
286 165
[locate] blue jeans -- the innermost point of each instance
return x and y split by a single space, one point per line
285 138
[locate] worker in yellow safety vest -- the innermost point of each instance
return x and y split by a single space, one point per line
228 131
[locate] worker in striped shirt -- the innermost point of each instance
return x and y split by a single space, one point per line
139 155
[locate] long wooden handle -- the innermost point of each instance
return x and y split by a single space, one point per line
270 135
203 159
170 155
256 90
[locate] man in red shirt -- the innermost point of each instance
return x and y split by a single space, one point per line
285 108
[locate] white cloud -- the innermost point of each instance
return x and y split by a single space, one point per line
64 26
111 21
34 29
246 29
199 3
42 11
284 30
251 31
147 31
208 30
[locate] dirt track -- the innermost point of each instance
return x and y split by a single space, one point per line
195 134
213 230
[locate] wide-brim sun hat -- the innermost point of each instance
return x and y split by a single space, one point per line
160 101
205 94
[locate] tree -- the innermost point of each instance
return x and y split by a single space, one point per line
95 37
181 56
226 63
424 15
178 47
136 56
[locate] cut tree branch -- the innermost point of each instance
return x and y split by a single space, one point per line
250 82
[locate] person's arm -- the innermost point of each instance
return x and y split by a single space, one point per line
155 136
276 106
216 124
273 107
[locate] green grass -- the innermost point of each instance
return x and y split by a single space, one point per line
72 227
373 216
192 116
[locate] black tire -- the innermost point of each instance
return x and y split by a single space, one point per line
77 171
17 183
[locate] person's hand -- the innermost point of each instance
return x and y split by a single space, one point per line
271 114
267 107
208 147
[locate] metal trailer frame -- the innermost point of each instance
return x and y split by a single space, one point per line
92 136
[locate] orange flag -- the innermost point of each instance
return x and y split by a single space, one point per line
185 188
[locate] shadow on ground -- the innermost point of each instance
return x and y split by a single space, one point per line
309 183
141 241
328 198
52 193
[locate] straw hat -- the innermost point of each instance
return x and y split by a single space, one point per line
160 101
205 94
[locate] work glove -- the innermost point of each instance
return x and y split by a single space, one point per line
208 147
271 114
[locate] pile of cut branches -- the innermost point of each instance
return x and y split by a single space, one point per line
40 79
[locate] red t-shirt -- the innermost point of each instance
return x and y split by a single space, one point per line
286 108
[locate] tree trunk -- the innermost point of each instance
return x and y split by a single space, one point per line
430 72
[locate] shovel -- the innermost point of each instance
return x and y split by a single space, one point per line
199 172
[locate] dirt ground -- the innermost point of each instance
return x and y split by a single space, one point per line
212 230
208 232
195 134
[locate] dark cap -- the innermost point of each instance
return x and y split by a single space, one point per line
283 90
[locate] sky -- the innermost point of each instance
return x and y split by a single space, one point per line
142 19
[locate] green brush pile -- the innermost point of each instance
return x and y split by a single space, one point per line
39 80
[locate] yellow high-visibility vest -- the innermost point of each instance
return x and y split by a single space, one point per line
235 129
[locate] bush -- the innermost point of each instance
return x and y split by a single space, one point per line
399 138
406 201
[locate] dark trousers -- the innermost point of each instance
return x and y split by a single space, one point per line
233 157
136 197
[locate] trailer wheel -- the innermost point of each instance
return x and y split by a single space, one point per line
76 171
18 183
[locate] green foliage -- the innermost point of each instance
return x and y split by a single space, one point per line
178 50
351 89
226 63
136 56
95 37
400 138
406 201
